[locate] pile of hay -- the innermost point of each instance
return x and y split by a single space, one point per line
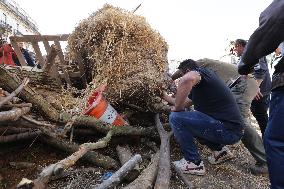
121 48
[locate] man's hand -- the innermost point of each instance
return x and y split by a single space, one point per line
244 69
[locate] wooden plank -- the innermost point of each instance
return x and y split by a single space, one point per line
62 62
38 54
50 59
37 38
46 46
59 52
18 53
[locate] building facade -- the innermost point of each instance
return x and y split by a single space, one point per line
15 21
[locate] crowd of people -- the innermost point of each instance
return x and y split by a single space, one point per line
9 57
220 115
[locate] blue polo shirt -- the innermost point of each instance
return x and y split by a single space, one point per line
212 97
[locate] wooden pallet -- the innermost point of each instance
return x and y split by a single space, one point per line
60 72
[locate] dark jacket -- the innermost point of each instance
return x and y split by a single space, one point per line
265 39
28 58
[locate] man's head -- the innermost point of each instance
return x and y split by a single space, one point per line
184 67
21 44
239 47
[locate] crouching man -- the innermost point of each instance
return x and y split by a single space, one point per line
216 118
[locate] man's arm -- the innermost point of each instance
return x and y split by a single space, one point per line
185 85
266 37
171 100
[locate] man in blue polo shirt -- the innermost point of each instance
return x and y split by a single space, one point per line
216 118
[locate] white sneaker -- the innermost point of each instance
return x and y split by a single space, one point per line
190 167
220 156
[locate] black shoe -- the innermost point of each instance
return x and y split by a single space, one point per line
259 169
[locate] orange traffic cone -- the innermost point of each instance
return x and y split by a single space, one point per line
99 108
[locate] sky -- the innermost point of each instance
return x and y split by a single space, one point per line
192 28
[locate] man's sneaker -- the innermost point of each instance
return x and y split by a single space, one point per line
190 167
259 169
220 156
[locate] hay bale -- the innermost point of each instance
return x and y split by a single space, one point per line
122 49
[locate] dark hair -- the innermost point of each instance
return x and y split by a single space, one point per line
241 42
188 64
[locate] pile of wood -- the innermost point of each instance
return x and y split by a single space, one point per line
57 125
121 49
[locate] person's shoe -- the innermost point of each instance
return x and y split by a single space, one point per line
259 169
220 156
190 167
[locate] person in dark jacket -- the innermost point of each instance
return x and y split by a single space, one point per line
27 56
265 39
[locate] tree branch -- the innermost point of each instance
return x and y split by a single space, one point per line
14 93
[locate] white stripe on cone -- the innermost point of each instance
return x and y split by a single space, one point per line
109 115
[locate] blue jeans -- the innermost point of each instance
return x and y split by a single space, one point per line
259 110
274 140
189 124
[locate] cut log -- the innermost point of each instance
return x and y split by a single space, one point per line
14 114
10 105
14 93
124 130
148 175
21 165
164 172
13 130
91 156
41 124
20 136
57 168
10 82
116 178
124 155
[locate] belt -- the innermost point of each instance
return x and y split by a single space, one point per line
238 79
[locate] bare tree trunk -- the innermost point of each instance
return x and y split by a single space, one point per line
116 178
20 136
148 175
57 168
10 82
164 173
124 155
13 130
14 93
91 156
10 105
13 115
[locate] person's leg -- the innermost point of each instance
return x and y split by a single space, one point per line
274 140
244 92
259 110
253 142
189 124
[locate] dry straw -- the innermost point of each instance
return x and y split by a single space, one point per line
122 49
